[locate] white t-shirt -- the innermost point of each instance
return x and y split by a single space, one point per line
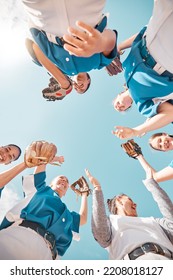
55 17
128 233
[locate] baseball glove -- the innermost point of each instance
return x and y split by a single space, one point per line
115 67
81 186
39 152
132 148
54 92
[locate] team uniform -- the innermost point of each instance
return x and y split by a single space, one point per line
43 207
124 236
1 191
49 21
148 69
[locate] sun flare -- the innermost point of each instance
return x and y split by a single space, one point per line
12 46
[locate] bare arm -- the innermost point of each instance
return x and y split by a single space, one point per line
7 176
145 164
83 209
56 72
127 43
159 176
164 174
163 117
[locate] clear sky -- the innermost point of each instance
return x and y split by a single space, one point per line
80 125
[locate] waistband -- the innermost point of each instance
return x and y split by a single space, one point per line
149 247
150 61
48 236
60 41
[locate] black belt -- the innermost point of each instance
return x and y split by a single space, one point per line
48 236
150 248
149 60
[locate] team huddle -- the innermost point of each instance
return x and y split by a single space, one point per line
41 216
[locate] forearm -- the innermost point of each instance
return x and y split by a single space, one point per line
160 196
163 117
159 176
145 164
109 41
7 176
55 72
164 175
83 209
101 227
40 168
127 43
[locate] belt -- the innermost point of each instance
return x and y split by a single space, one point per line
149 60
149 248
60 41
48 236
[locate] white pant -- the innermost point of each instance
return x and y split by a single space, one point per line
20 243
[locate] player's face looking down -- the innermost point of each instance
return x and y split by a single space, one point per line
81 82
60 185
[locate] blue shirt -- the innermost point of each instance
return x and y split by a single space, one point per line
143 82
69 64
47 209
1 191
171 164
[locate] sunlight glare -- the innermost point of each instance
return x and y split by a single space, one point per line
12 46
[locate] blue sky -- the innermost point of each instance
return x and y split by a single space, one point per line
80 125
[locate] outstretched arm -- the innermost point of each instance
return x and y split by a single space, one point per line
159 176
164 116
159 195
83 209
101 226
146 165
7 176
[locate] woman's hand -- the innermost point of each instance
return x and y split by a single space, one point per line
93 180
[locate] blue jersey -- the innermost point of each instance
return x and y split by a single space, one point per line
47 209
69 64
146 86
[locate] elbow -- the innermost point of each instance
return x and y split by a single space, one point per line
156 178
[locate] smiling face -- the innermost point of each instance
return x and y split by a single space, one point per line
60 185
81 82
126 206
8 154
162 142
122 102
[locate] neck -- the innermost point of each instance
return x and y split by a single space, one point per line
121 212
